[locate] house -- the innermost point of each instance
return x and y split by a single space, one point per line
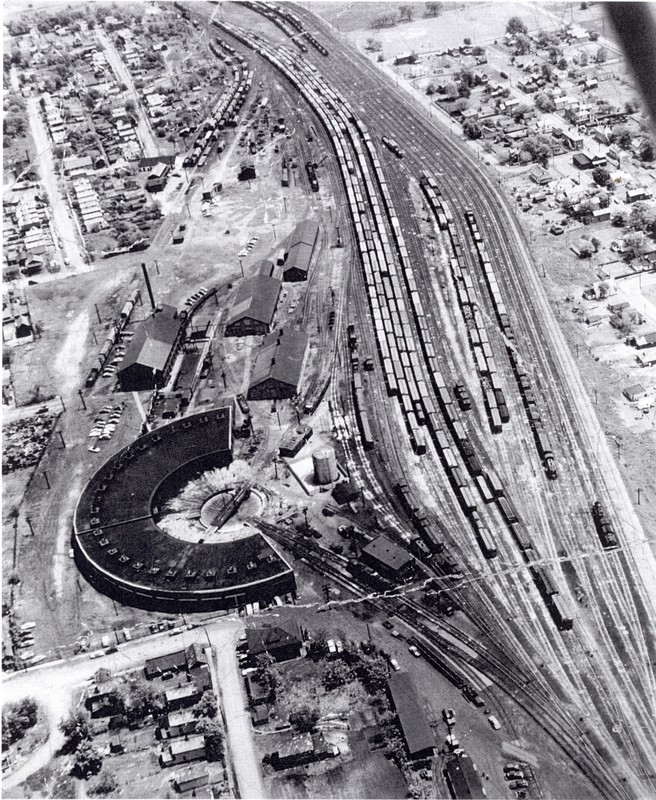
156 181
181 751
152 352
254 306
601 215
257 693
635 392
260 715
462 778
299 251
76 166
182 696
572 139
283 643
190 659
417 733
582 161
193 778
278 365
641 342
247 171
178 723
647 358
633 195
540 175
405 58
388 558
299 750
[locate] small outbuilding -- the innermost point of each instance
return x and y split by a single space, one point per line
635 392
247 171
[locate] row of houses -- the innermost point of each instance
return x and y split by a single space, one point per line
87 204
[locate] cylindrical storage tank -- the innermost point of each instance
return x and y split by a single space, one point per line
325 465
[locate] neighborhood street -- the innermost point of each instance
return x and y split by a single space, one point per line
55 686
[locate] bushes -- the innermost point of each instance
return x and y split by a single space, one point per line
17 720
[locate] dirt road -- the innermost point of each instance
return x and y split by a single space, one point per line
62 220
144 130
54 686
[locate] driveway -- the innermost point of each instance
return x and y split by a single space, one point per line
62 220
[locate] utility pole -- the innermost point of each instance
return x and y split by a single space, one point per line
639 491
95 305
326 592
59 433
225 381
241 265
305 515
29 521
275 466
45 475
595 394
84 405
61 400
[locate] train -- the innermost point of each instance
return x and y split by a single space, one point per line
402 334
392 146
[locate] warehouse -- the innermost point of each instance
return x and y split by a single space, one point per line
463 779
417 733
278 366
156 181
254 306
388 558
152 351
299 253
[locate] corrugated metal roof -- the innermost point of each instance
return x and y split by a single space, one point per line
256 298
280 358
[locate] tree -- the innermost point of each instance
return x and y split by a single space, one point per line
144 699
516 25
206 706
583 58
647 150
539 148
433 9
472 129
635 244
642 216
467 40
543 102
76 729
105 784
621 135
406 12
520 111
522 44
306 719
87 760
318 647
336 674
267 673
602 55
384 21
373 672
631 106
562 63
620 220
601 176
213 732
18 719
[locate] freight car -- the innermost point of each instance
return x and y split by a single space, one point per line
604 527
392 146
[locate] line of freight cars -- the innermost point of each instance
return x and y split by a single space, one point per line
115 331
361 411
542 442
396 342
224 114
604 526
382 279
479 343
281 17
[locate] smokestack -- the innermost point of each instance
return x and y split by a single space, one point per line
148 286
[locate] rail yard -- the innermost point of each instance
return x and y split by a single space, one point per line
396 327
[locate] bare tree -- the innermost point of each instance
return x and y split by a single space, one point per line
433 9
406 12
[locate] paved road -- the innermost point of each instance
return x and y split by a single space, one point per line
62 220
245 761
54 686
122 73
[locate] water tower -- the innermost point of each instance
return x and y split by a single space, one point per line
325 465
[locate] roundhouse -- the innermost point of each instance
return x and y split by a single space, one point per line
123 553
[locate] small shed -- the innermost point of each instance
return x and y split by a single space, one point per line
635 392
247 171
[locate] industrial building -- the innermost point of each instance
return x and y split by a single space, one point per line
156 181
463 780
151 353
299 251
417 733
278 366
122 552
254 306
388 558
